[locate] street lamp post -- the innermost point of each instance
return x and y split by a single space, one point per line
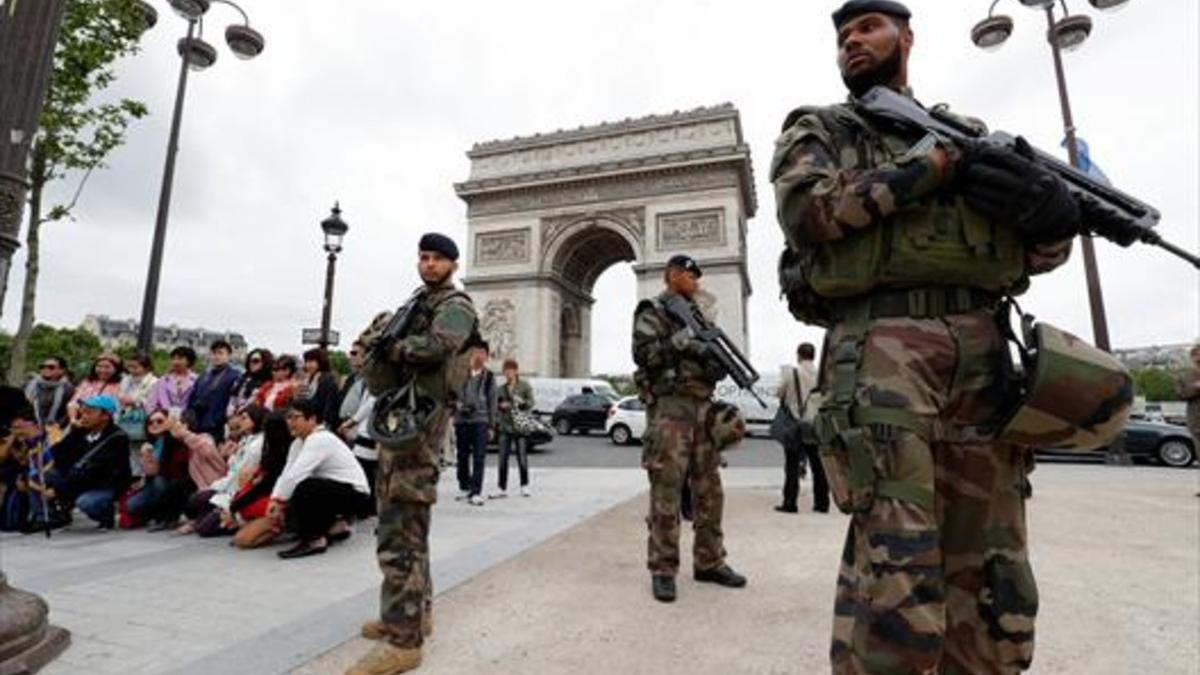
1063 35
194 54
335 229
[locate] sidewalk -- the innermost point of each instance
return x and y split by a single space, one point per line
139 602
1116 551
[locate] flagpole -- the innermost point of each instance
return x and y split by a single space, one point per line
1095 294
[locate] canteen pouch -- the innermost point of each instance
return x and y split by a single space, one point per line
847 453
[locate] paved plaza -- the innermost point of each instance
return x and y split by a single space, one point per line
557 583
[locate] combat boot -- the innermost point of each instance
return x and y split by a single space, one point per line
386 659
664 588
723 576
374 630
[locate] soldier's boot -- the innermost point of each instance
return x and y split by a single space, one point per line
723 576
387 659
375 630
663 587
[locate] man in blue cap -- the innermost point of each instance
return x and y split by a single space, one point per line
431 356
89 467
903 247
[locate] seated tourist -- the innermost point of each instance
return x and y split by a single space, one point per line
166 485
171 393
19 433
103 379
50 391
242 451
206 462
322 486
247 511
277 393
88 468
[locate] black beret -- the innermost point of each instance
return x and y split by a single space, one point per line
439 243
686 264
856 8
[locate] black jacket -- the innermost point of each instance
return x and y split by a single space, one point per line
93 465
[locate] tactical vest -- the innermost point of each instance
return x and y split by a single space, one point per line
688 375
937 241
437 381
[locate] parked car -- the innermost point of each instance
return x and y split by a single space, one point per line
582 412
1168 444
626 421
550 392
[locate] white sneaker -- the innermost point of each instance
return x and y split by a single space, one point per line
498 494
463 496
476 500
525 491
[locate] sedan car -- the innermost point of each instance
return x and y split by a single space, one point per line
626 421
581 412
1168 444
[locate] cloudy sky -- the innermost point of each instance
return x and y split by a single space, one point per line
375 102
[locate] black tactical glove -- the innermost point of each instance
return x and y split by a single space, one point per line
1008 187
1104 221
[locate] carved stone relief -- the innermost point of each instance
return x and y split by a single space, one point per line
691 229
502 248
705 178
497 327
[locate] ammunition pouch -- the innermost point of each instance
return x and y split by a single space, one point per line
850 436
725 424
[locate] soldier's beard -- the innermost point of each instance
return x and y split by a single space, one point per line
433 281
881 75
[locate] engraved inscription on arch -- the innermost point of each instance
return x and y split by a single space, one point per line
502 248
691 229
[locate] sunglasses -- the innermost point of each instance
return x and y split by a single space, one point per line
353 352
48 366
256 360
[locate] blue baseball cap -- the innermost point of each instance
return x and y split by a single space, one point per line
103 402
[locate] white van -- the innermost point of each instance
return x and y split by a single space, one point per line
548 392
758 418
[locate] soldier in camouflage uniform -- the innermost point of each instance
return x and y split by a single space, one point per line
904 247
676 379
433 354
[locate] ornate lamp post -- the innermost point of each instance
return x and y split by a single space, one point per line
194 54
1064 34
335 229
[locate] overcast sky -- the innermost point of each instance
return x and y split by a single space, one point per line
375 102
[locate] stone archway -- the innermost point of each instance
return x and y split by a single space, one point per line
548 214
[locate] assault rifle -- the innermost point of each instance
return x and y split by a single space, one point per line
1108 212
716 343
396 328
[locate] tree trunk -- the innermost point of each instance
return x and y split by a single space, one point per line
20 343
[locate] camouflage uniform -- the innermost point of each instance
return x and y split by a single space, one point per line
433 353
677 446
934 575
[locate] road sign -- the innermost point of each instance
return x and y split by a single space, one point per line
312 336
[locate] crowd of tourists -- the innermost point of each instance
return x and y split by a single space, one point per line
279 446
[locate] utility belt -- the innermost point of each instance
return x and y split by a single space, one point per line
932 302
1069 394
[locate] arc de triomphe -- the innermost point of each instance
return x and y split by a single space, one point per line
547 214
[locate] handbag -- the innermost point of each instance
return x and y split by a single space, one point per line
785 428
524 424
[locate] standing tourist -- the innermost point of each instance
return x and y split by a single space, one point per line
427 358
1189 390
276 393
514 400
676 377
473 423
50 391
259 363
795 386
104 379
171 393
209 399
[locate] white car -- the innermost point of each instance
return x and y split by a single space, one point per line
626 421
